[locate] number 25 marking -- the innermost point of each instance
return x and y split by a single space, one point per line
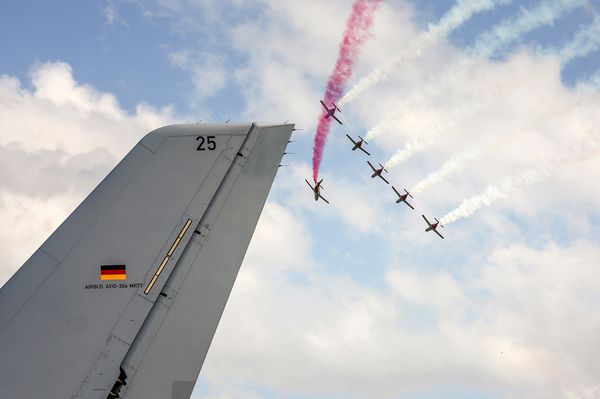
210 142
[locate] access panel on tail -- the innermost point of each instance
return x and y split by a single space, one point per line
124 297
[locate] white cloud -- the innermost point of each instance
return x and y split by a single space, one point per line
110 13
207 70
58 140
522 324
517 321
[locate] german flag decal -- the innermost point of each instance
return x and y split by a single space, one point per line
113 272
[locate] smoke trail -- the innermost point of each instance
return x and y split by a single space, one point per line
462 11
460 161
453 165
356 33
425 140
511 184
487 44
586 41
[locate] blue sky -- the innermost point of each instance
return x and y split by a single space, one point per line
93 77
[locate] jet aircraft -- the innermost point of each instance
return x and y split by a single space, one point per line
317 190
358 144
433 226
403 197
377 172
331 112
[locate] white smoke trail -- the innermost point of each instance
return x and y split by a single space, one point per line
489 42
462 11
460 161
586 41
425 140
510 30
453 165
511 184
495 193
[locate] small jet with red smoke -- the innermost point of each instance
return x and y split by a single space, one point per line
378 172
403 197
358 144
433 226
331 111
317 190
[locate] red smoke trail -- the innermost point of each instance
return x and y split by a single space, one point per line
356 33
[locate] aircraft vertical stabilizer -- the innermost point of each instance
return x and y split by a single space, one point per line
124 297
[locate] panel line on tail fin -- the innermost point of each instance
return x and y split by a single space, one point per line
168 256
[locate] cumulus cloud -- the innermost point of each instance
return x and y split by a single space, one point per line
207 70
512 327
58 139
424 326
494 311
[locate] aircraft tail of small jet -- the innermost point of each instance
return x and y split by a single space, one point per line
125 296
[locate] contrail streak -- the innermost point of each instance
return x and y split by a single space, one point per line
357 32
511 184
462 11
487 44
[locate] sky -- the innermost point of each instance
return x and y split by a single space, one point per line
495 124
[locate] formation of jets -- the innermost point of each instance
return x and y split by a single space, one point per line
357 144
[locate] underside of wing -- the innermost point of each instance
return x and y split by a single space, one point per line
141 270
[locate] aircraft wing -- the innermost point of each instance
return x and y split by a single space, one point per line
351 139
363 150
396 191
427 221
311 187
335 117
372 167
323 198
438 233
384 179
133 284
411 207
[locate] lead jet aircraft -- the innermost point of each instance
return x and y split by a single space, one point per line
123 299
358 144
331 111
377 172
433 226
403 197
317 190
